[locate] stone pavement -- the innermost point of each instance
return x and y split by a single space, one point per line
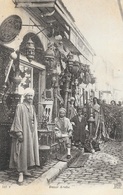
103 167
9 178
50 170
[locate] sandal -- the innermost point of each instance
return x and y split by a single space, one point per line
20 179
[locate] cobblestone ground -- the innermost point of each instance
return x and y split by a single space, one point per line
9 178
103 167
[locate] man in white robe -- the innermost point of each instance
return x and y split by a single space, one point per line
24 149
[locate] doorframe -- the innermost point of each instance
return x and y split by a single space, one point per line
42 81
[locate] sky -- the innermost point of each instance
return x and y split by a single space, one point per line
101 24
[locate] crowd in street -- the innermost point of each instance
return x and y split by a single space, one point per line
74 130
106 124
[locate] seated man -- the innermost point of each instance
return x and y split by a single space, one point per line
63 130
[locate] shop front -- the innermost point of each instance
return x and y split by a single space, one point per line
40 48
21 65
23 74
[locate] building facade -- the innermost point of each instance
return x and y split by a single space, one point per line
42 48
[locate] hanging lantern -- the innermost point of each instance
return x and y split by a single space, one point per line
49 60
81 77
86 78
73 66
82 66
70 62
30 50
93 80
89 77
76 68
87 68
49 55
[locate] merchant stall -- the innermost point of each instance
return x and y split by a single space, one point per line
41 47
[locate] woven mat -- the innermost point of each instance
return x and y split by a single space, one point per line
63 157
80 161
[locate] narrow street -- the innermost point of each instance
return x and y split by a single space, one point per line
103 167
61 91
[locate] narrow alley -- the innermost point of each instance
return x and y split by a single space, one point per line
61 96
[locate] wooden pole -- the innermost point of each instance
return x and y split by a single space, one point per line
13 56
67 90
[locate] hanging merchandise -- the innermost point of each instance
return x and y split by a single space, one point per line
10 28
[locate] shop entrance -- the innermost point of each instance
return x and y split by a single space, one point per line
33 75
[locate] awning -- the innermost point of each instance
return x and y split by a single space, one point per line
46 11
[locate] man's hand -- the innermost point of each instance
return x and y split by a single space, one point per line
73 123
86 128
70 134
19 136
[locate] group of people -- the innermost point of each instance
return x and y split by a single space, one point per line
73 130
113 114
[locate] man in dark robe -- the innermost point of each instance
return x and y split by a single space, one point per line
72 110
79 125
24 149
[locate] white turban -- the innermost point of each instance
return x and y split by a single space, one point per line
28 91
72 99
62 110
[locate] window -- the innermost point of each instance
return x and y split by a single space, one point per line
26 72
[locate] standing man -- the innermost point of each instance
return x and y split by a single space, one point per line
72 110
63 130
24 149
79 127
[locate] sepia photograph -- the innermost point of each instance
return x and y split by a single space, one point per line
61 97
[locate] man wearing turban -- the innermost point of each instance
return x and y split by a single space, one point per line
24 149
63 129
72 110
79 127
